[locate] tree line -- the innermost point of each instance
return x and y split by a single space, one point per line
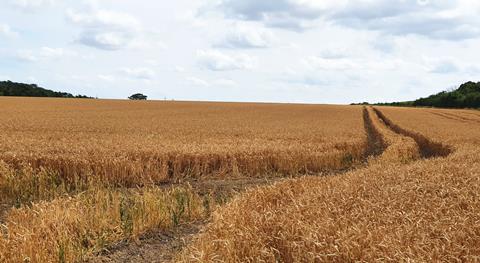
9 88
465 96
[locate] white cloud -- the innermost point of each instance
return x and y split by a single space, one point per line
217 61
107 78
141 42
7 31
335 53
339 50
225 82
247 36
308 80
385 44
106 30
26 56
105 40
428 25
138 73
288 14
48 52
44 53
351 63
197 82
445 67
103 19
441 19
30 5
321 63
432 19
442 65
180 69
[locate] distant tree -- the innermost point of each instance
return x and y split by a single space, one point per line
138 96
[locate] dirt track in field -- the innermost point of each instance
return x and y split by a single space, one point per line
428 148
152 247
163 247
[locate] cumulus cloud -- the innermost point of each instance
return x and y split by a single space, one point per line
289 14
441 19
105 30
366 10
7 31
105 40
247 36
217 61
255 10
103 19
138 73
432 19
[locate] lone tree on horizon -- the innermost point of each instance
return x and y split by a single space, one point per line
138 96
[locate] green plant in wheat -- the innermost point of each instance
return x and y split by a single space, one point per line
126 215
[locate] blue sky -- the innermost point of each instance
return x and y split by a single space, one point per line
309 51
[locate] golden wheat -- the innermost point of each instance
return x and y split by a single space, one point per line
81 175
71 228
424 211
399 148
128 144
65 164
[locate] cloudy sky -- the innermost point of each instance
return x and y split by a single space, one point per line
313 51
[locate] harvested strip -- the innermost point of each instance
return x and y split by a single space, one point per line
399 148
428 148
437 129
375 142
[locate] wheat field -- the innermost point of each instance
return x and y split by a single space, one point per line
129 144
346 183
422 208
